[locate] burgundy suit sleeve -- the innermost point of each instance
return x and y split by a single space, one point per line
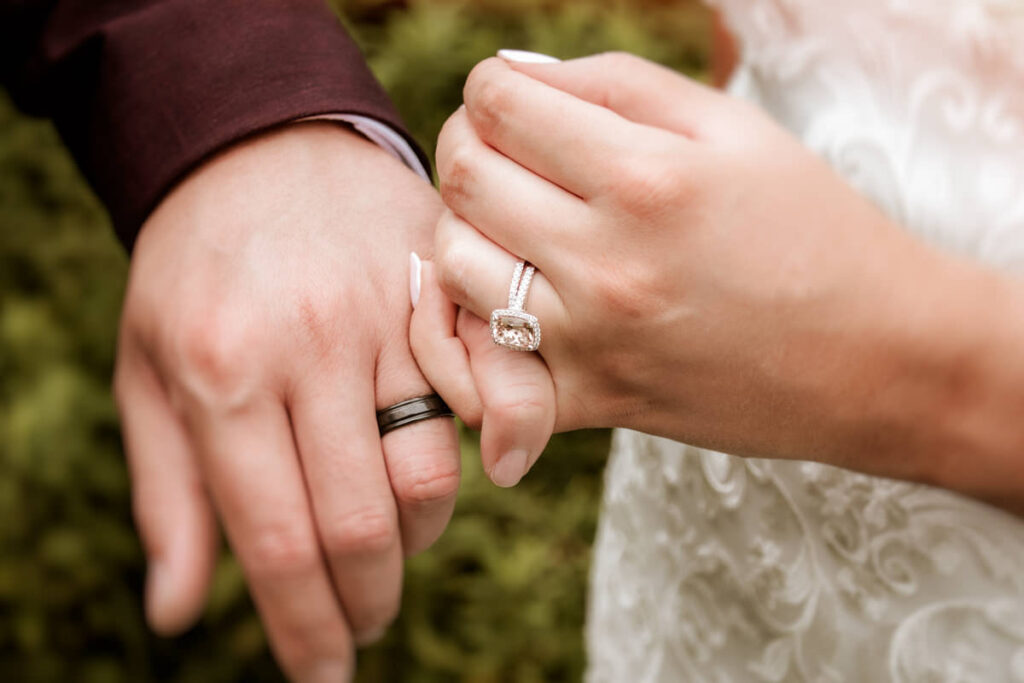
144 90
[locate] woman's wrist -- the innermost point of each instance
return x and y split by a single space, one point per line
938 394
981 414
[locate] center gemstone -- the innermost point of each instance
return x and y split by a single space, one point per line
515 329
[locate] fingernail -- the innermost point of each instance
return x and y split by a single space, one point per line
330 671
526 57
415 276
368 638
510 468
156 593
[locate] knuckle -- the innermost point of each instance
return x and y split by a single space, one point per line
457 174
524 411
619 62
212 354
451 268
369 531
283 551
489 99
426 484
617 66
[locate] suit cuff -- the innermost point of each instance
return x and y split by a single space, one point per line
153 91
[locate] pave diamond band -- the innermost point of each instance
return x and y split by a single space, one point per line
513 327
522 276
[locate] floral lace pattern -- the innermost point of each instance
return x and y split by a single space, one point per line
709 567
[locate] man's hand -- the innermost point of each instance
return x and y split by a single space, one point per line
265 321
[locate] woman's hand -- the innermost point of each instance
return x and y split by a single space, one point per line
702 275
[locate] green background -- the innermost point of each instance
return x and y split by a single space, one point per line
499 598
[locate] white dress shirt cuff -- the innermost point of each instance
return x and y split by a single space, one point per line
382 135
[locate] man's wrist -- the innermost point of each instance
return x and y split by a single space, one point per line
382 135
361 175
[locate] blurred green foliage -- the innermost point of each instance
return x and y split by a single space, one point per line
499 598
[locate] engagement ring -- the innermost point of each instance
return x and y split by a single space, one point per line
513 327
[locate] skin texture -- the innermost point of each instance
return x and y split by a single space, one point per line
704 277
266 319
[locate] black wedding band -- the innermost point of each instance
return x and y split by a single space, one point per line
413 410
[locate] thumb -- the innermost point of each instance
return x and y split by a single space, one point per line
518 397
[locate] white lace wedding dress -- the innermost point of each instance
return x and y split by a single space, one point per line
713 568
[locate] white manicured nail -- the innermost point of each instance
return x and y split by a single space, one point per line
415 276
527 57
510 468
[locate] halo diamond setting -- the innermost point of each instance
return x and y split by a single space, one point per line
513 327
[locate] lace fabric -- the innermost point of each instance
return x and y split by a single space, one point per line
709 567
